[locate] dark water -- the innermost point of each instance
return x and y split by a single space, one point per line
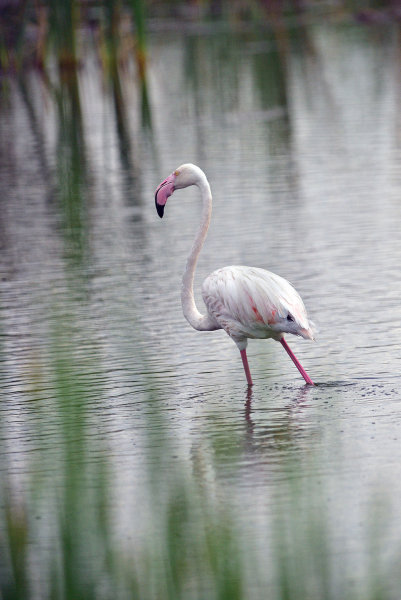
98 365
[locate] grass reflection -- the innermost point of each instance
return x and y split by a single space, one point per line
57 539
62 27
71 165
77 560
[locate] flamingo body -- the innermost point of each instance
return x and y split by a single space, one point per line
247 302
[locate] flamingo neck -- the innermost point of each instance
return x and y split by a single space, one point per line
191 313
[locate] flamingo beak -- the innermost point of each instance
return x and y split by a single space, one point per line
164 191
307 334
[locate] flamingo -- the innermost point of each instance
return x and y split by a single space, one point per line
247 302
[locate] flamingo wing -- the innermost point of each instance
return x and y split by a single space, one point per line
252 302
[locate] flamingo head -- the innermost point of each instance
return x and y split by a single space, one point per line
164 191
182 177
297 326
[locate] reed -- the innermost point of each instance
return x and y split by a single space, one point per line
57 23
193 547
63 21
138 9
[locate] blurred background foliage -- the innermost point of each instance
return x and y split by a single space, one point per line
32 32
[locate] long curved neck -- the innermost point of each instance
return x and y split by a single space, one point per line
191 313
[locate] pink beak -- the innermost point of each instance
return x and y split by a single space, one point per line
165 189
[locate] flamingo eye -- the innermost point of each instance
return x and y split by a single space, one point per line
290 317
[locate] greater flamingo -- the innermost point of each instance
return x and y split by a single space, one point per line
247 302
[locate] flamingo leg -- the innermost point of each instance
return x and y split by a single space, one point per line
296 361
246 367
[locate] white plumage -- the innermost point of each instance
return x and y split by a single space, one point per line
247 302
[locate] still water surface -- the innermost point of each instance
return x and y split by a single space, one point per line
303 155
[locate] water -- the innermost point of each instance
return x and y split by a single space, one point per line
110 398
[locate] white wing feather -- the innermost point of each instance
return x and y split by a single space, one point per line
252 302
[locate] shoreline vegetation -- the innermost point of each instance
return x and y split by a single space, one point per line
33 31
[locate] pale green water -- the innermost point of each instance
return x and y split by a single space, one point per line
125 431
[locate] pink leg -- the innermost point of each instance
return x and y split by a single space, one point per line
296 362
246 367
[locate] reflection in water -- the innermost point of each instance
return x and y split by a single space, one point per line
71 165
278 438
38 134
122 125
122 426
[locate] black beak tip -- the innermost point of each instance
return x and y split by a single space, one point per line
159 208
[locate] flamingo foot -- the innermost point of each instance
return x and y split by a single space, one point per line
296 361
246 367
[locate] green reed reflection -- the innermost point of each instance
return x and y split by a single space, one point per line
71 164
63 20
189 548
